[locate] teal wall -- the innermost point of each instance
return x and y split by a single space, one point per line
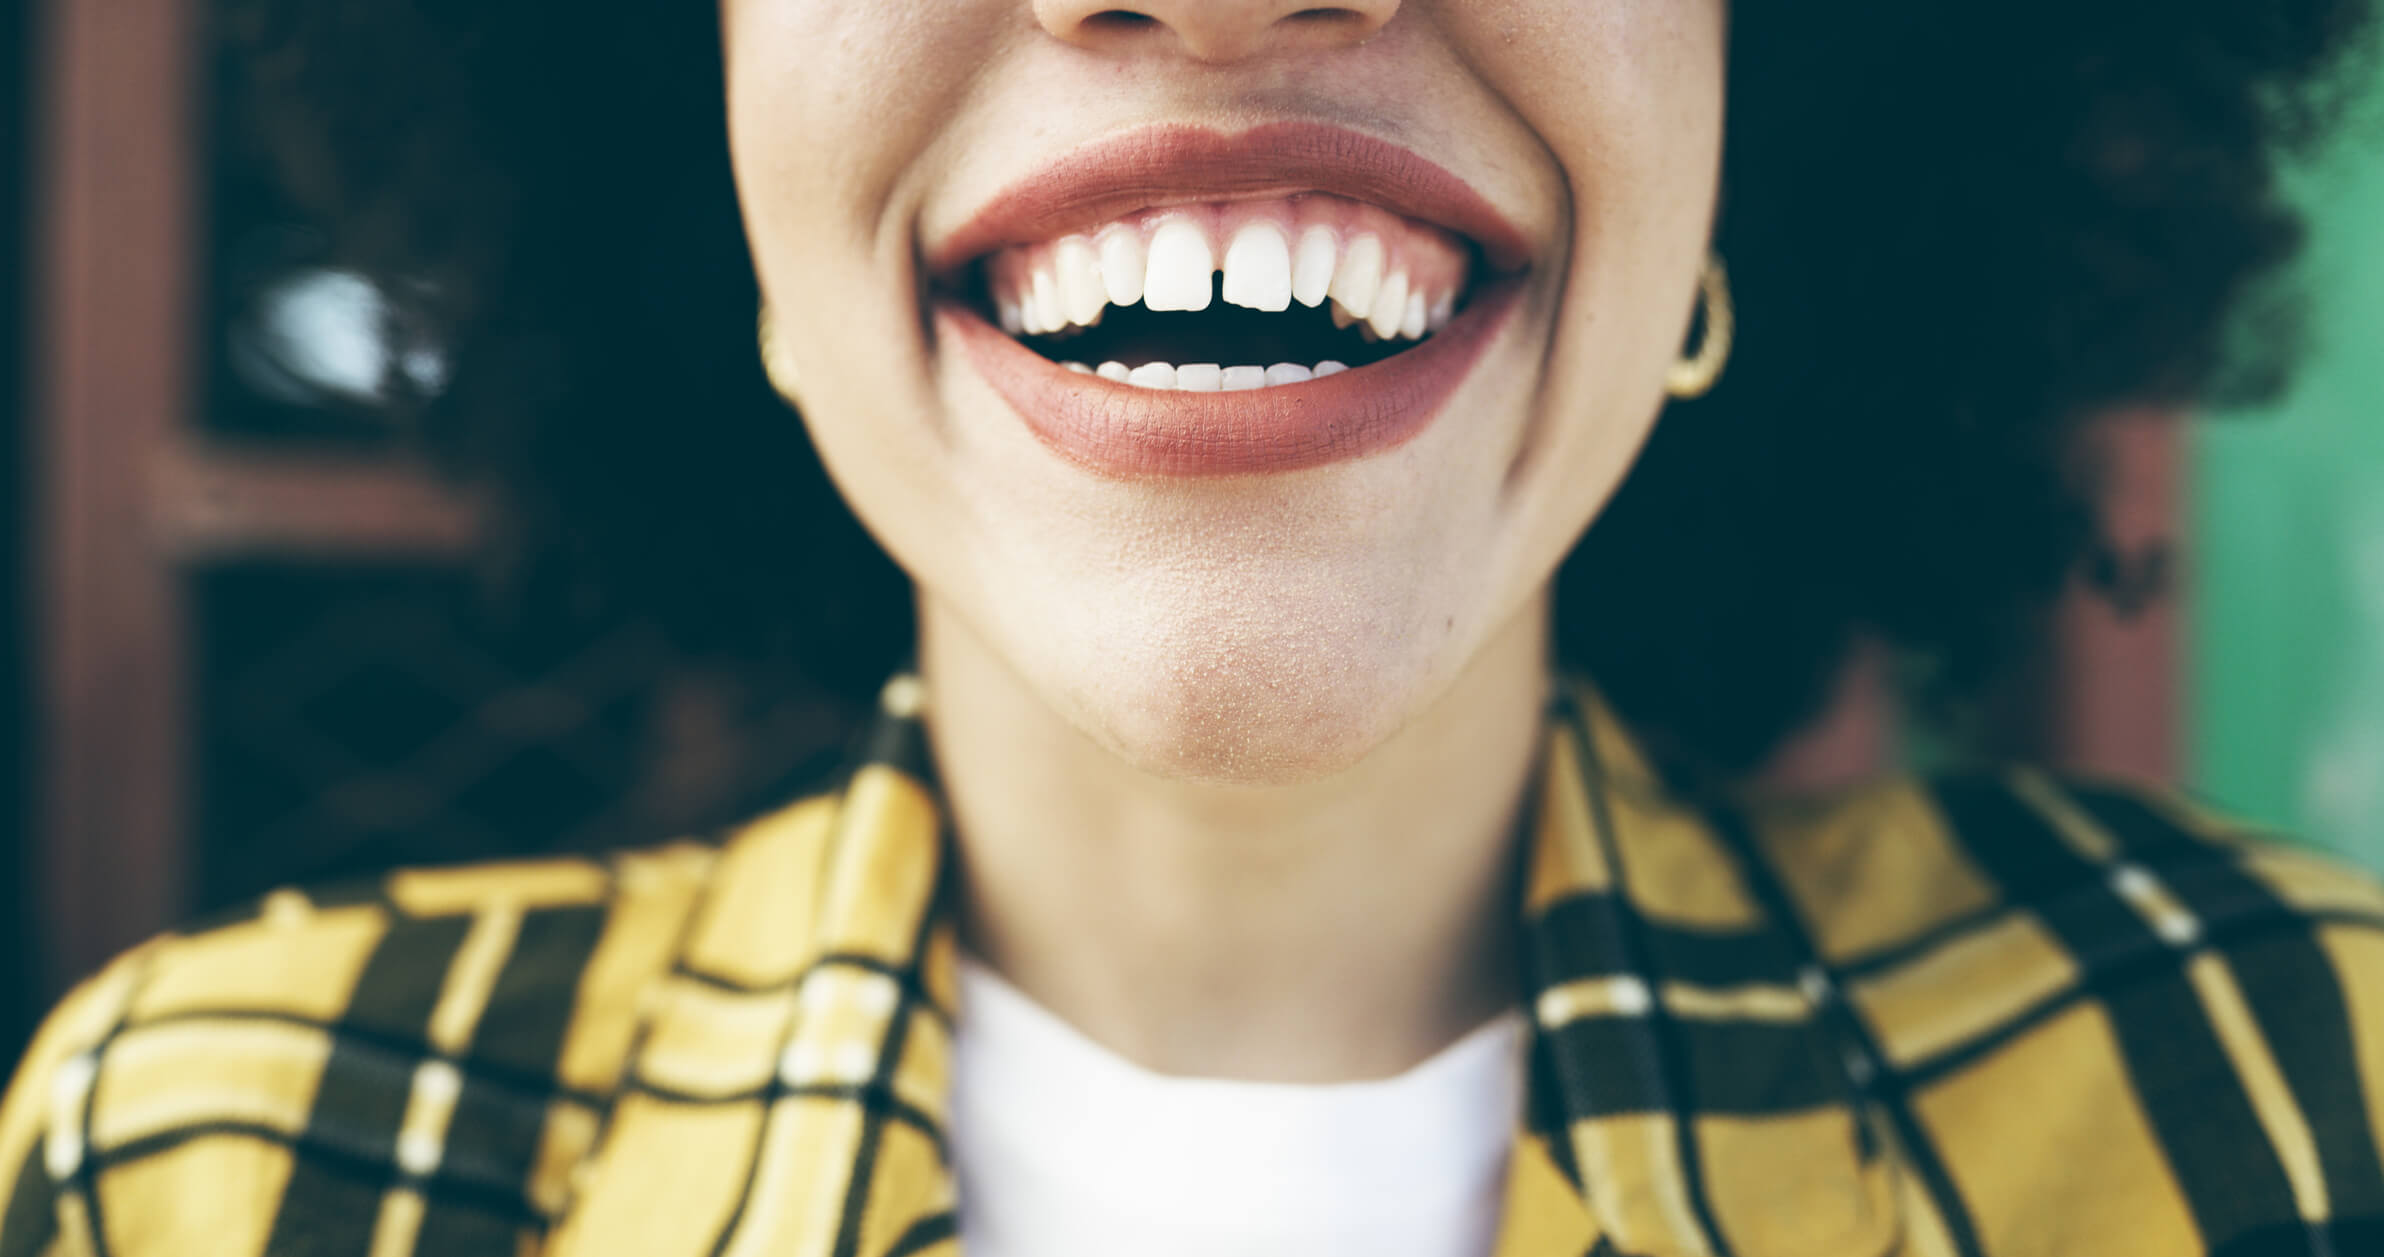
2286 653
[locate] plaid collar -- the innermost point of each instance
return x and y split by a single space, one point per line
1689 1061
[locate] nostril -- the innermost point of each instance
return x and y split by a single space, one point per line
1213 30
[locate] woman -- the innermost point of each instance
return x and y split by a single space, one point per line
1231 380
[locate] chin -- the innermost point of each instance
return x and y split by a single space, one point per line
1235 721
1244 695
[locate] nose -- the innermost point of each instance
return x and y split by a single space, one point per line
1214 31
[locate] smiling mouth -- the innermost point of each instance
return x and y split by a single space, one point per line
1229 297
1177 301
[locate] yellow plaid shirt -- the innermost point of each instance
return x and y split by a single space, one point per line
2003 1015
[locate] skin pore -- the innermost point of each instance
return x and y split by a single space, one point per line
1235 762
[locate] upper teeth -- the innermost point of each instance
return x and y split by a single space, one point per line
1398 278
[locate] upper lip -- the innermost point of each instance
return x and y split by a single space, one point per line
1175 164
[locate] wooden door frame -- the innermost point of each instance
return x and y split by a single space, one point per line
113 224
127 493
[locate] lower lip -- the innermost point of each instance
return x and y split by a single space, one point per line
1134 433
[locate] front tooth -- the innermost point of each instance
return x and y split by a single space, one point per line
1113 371
1312 265
1390 304
1200 377
1122 261
1258 268
1411 323
1178 275
1288 373
1079 280
1152 375
1240 378
1047 303
1330 367
1359 275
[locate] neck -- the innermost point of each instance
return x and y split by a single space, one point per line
1337 929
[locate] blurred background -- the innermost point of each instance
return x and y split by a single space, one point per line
246 641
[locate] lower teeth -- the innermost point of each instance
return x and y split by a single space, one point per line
1208 377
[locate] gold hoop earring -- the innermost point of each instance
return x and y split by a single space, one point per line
1695 376
781 376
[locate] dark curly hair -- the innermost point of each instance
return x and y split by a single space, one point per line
1957 232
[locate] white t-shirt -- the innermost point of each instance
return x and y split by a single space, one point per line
1065 1149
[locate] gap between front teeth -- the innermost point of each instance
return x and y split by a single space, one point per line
1208 377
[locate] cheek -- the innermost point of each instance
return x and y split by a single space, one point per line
833 109
1627 98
